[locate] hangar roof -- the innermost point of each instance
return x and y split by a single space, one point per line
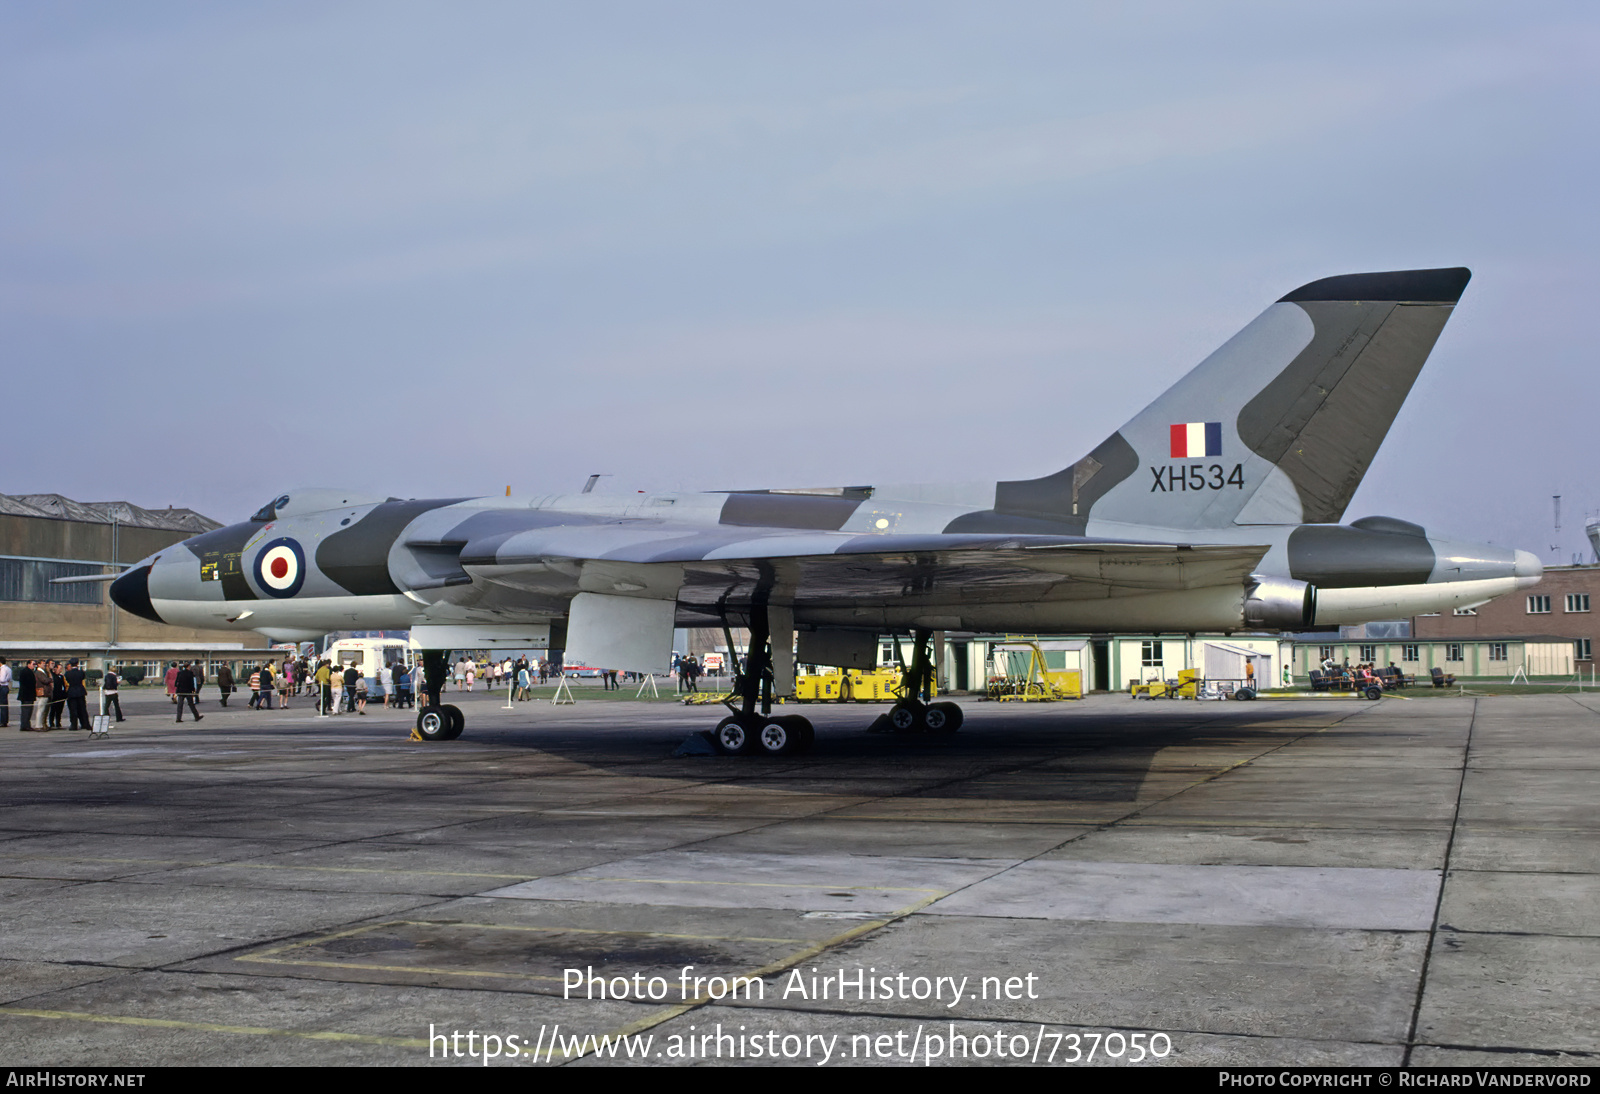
56 507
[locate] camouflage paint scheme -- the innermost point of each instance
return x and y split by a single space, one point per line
1128 539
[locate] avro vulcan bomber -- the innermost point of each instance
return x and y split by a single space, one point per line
1216 508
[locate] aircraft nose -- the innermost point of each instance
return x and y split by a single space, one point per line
131 593
1528 569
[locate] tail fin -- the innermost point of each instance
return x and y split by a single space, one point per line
1277 427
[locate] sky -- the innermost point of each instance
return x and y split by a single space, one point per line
429 249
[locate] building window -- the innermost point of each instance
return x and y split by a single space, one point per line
1324 653
1369 654
1577 602
1409 653
1150 653
1497 651
1464 611
28 580
1584 648
1538 605
1452 651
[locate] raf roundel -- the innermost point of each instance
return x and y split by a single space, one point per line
281 568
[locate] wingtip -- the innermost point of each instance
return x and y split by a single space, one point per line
1443 286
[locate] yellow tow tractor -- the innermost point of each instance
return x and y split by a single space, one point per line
880 685
1019 673
1190 684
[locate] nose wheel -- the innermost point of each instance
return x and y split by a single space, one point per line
441 723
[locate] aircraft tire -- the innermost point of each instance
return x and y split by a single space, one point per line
944 718
780 736
434 724
805 734
458 721
732 737
907 718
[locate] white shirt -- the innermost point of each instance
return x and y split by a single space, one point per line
5 675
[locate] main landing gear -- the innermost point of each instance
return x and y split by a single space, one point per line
752 728
913 713
436 722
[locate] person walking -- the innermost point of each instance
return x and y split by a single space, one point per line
172 681
186 693
267 686
225 686
5 693
109 686
255 689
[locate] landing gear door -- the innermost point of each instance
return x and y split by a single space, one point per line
628 633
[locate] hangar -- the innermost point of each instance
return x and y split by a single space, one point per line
45 536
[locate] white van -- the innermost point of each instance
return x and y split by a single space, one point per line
369 655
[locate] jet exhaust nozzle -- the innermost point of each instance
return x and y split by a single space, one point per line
1280 603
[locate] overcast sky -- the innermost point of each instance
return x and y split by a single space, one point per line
439 249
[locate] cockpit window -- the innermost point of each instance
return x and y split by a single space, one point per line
269 511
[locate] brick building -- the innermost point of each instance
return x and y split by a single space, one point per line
1561 605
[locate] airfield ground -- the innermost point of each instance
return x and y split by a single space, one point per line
1307 882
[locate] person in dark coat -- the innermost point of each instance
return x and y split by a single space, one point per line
27 695
77 696
58 694
186 689
225 683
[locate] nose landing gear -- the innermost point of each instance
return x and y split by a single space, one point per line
436 722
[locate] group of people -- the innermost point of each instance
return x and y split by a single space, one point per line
689 672
1360 676
499 674
61 689
519 675
337 690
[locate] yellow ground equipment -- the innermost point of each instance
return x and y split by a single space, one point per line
1150 689
1186 686
1018 672
880 685
1190 684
